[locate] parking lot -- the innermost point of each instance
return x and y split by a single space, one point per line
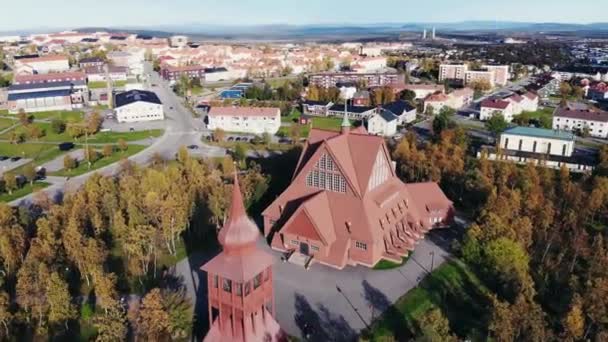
115 126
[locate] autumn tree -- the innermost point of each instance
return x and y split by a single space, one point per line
69 163
107 151
122 144
10 182
6 316
61 309
435 327
111 324
153 320
29 172
219 135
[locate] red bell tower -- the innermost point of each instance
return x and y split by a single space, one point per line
239 279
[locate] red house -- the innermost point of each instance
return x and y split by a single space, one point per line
239 282
346 205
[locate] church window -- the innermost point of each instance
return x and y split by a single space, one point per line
227 285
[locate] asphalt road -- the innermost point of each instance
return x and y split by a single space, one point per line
181 129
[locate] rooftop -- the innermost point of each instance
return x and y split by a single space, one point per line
132 96
540 133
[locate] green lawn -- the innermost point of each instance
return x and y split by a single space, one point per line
291 118
103 84
454 289
27 150
83 167
544 116
26 190
3 111
66 115
6 123
99 138
388 265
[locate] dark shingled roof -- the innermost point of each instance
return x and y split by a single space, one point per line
133 96
388 116
398 107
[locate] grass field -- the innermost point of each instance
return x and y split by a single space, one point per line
102 84
3 111
388 265
66 115
99 138
543 117
454 289
26 190
6 123
34 151
104 161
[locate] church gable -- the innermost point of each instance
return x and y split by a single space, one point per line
381 171
326 175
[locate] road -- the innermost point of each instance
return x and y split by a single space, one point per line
339 303
181 129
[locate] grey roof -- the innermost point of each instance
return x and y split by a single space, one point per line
387 115
133 96
39 94
34 86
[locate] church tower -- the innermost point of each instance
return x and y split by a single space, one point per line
239 282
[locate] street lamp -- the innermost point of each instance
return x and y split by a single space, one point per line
432 254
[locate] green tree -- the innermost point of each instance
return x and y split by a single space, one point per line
29 172
435 327
179 309
240 153
58 126
496 124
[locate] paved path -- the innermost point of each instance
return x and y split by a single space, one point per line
322 303
57 163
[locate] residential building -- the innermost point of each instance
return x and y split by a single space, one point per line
403 110
137 106
355 112
240 291
383 123
41 97
598 92
452 72
543 147
254 120
316 108
101 74
328 79
544 86
42 65
422 91
346 205
493 74
578 120
73 76
491 107
455 100
91 62
171 73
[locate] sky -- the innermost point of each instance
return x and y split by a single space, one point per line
36 14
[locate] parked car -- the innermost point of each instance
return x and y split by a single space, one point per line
3 158
66 146
14 159
193 147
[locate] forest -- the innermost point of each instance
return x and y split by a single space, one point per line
94 266
538 241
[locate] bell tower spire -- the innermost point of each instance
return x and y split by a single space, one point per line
345 126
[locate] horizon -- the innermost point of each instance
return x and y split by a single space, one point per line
154 15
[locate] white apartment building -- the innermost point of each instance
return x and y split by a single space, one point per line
493 107
253 120
455 100
496 75
137 106
569 119
383 123
452 71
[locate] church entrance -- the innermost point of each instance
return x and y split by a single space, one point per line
304 248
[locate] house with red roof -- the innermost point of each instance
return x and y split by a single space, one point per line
346 206
491 107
